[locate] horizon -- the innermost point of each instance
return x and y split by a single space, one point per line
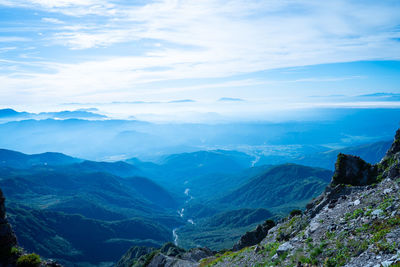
208 61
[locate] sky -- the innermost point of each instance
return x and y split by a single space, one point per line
209 58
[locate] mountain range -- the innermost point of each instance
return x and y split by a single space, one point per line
193 199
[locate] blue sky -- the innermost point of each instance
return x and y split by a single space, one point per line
272 55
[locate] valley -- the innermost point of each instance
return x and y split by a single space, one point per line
85 213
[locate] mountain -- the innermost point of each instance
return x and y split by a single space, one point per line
118 168
50 188
206 162
13 159
82 218
74 239
354 222
284 185
214 185
257 193
151 191
199 171
104 139
10 113
66 114
372 153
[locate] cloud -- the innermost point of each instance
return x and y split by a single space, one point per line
11 39
53 20
167 41
182 101
230 99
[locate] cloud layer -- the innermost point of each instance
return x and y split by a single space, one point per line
86 50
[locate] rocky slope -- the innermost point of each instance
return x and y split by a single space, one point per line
354 222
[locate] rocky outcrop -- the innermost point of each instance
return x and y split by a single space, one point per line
133 255
254 237
168 255
352 170
390 164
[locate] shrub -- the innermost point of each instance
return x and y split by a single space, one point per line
295 213
29 260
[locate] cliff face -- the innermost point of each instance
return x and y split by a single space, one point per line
355 222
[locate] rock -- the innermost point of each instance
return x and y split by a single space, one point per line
196 254
171 249
132 255
254 237
285 247
395 147
357 202
387 191
161 260
314 226
352 170
377 212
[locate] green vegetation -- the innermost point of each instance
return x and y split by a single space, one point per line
29 260
284 185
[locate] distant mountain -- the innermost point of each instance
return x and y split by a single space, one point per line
10 113
118 168
372 153
199 170
105 138
76 114
284 185
205 162
9 158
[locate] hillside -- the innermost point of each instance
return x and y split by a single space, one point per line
14 159
284 185
74 239
354 222
81 218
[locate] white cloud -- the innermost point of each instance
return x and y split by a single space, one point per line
53 20
11 39
200 39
